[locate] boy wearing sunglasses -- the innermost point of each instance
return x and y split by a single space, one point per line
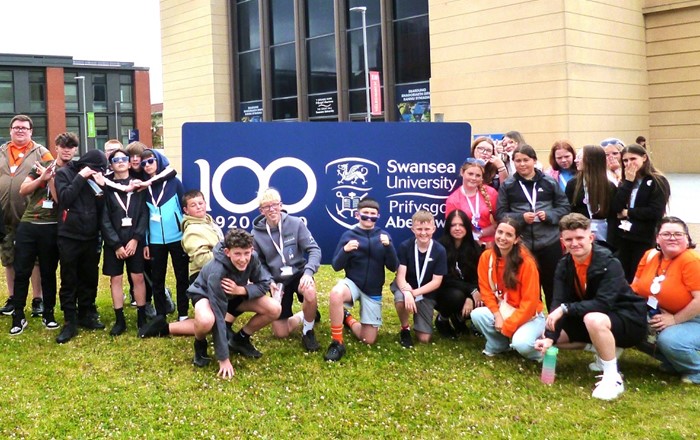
363 252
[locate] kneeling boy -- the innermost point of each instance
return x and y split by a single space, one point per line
593 304
233 279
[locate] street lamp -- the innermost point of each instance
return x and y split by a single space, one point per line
363 10
116 118
81 80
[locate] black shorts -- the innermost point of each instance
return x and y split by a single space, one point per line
113 266
627 333
291 287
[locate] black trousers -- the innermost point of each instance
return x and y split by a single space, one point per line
79 277
159 268
32 241
547 258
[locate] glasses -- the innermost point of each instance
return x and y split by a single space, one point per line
471 160
372 218
148 161
484 150
120 159
607 142
271 206
21 129
674 235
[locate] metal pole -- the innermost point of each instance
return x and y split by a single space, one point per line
116 119
363 10
81 80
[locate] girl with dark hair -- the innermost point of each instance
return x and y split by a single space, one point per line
530 196
477 200
495 170
591 194
511 140
640 203
669 276
561 161
510 287
459 293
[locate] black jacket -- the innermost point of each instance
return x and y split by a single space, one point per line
606 290
80 208
649 208
113 233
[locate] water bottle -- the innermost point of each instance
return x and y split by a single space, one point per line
549 364
651 333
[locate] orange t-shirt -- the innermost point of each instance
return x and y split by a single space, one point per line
682 277
581 274
16 154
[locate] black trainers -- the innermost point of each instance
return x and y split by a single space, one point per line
201 358
405 338
150 311
459 325
8 308
69 331
169 304
335 352
49 321
37 307
243 346
444 327
18 325
118 328
91 322
309 341
156 327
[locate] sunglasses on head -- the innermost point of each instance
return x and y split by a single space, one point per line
148 161
120 159
471 160
372 218
607 142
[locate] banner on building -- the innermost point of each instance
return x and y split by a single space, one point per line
323 170
375 92
413 102
91 131
252 112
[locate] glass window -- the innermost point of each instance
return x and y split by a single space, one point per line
99 93
5 128
282 18
73 125
319 18
126 123
101 130
355 18
284 108
125 98
37 87
412 40
248 25
356 55
284 74
322 71
71 91
249 82
39 129
7 92
410 8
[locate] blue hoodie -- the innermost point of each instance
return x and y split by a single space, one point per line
165 211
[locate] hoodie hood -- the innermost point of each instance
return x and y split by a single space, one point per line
93 159
161 160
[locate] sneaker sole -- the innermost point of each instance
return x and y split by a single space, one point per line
21 330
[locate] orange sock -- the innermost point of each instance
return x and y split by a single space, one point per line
337 333
349 320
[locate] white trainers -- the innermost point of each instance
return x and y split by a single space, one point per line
597 366
609 388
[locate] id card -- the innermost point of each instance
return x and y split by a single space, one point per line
625 225
13 168
286 271
126 222
155 218
653 302
47 204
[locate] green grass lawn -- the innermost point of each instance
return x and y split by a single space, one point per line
97 386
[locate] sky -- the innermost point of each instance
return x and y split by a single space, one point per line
102 30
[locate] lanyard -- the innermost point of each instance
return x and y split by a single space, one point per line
587 201
280 246
530 198
476 215
128 201
160 196
420 272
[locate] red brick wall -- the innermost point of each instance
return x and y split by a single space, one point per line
142 106
55 106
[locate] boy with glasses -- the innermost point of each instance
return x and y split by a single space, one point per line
289 252
363 252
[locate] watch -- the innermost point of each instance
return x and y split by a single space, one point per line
564 308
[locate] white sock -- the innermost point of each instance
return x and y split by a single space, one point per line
182 318
609 368
307 326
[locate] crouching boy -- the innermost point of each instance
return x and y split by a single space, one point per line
234 279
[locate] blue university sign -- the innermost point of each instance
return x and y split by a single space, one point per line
323 170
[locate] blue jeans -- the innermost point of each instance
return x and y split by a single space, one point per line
523 340
678 347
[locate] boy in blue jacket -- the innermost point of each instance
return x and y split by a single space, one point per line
363 252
